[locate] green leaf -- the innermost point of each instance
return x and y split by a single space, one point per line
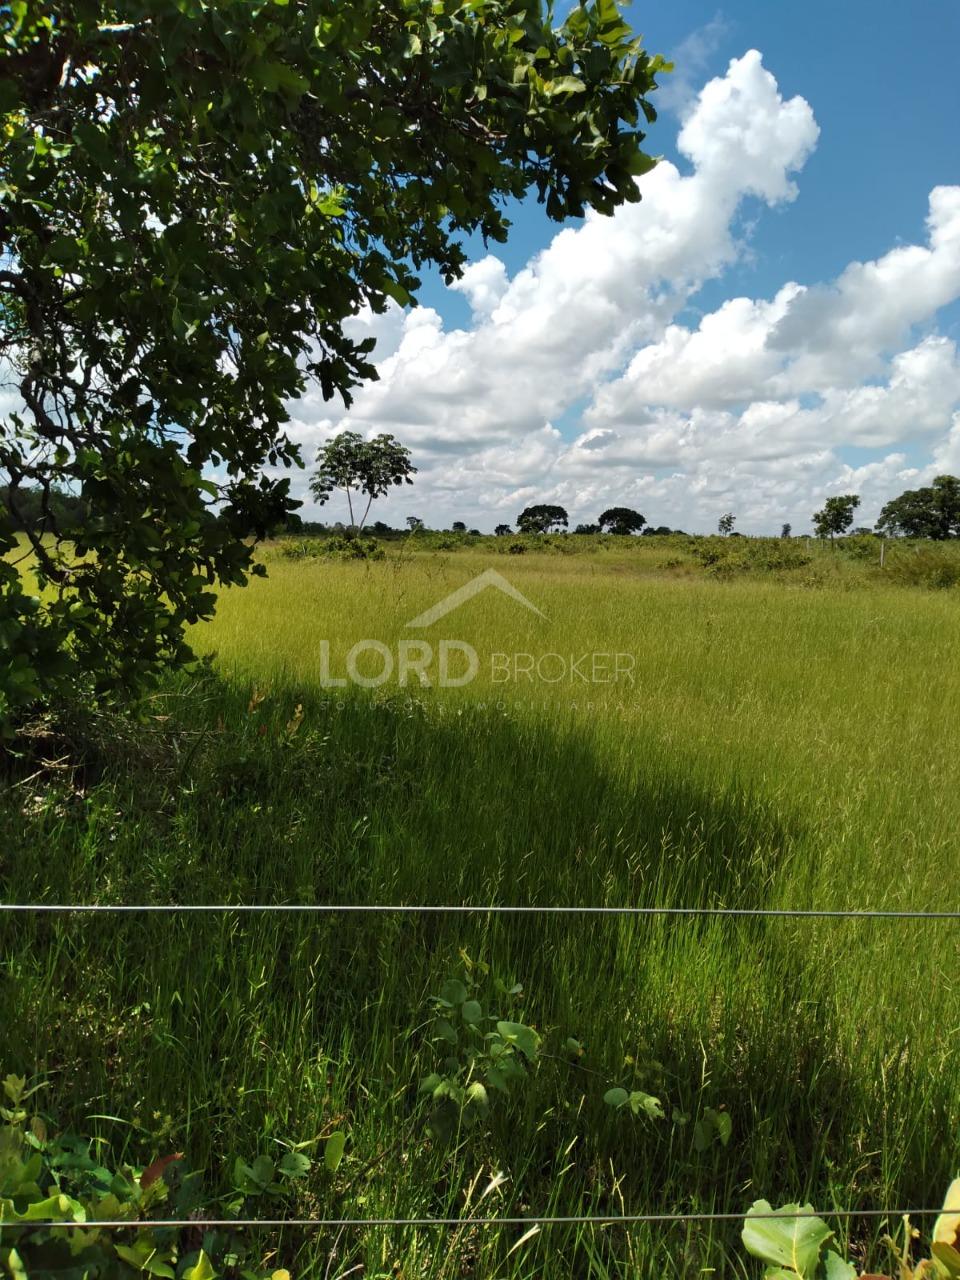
294 1165
445 1031
472 1012
202 1269
477 1096
564 84
786 1240
616 1097
837 1268
947 1256
723 1123
647 1103
453 992
333 1151
523 1037
262 1171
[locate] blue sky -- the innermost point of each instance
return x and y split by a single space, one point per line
881 81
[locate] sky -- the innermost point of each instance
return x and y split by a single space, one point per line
776 321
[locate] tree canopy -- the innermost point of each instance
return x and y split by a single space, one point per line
836 515
541 518
930 512
362 467
621 520
195 196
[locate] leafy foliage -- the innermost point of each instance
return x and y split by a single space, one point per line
194 198
355 465
930 512
621 520
725 524
541 518
836 516
794 1242
46 1178
484 1056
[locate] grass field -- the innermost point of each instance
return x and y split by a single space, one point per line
784 742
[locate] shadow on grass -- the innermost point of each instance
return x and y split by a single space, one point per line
245 1031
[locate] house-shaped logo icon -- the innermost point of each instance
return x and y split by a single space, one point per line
490 578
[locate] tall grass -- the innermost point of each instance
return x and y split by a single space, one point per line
781 745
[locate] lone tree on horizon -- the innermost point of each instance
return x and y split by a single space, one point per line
543 518
725 524
621 520
357 466
836 516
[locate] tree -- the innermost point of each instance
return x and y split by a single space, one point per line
786 531
725 524
541 519
587 528
357 466
458 527
414 523
931 512
621 520
197 196
503 530
836 515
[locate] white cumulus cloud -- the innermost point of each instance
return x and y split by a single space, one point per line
746 411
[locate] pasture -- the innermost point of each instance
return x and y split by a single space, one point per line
782 741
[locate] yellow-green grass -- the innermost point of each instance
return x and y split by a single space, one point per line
782 746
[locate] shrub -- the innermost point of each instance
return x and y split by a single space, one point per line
338 547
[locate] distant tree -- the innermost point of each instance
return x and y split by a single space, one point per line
725 524
458 526
863 531
587 528
931 512
836 515
735 533
503 531
541 519
475 533
357 466
621 520
786 531
414 523
661 530
33 510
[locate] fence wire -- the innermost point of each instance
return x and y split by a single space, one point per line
490 1221
330 908
293 908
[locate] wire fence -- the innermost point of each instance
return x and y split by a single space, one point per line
329 908
423 909
561 1220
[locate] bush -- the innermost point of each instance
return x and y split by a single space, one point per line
923 565
338 547
64 1178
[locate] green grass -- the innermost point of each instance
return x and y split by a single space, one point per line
790 742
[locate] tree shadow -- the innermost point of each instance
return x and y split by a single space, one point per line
385 801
